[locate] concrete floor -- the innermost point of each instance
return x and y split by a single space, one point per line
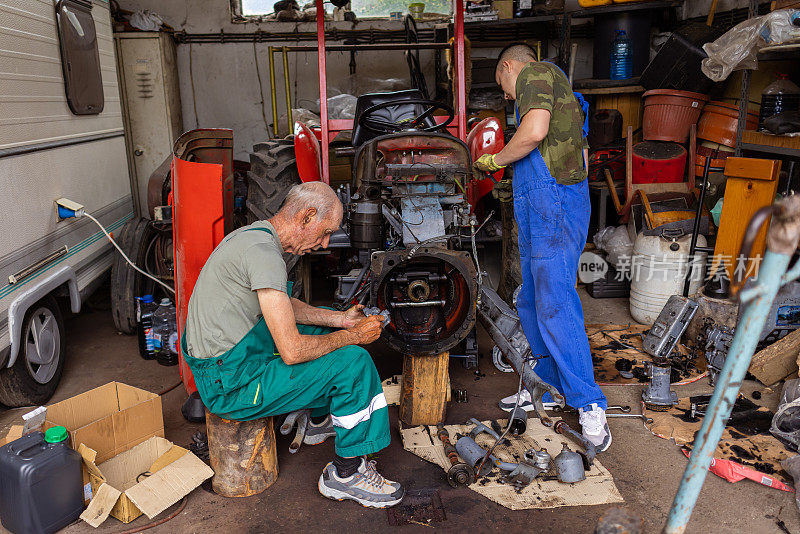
646 469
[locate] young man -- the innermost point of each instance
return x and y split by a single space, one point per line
254 351
551 206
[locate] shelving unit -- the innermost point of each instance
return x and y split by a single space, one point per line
623 8
752 141
784 145
591 86
781 145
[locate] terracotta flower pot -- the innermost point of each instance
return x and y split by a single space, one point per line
718 123
669 114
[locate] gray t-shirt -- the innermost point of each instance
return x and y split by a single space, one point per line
224 303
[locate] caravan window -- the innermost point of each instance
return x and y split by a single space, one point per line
80 60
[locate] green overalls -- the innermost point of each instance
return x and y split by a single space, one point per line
251 380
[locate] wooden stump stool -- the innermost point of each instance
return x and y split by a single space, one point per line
243 455
426 384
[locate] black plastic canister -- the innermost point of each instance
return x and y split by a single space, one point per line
41 489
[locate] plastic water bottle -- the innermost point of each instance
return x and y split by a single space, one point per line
165 333
621 57
163 320
144 326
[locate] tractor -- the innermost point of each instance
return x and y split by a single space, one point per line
409 233
414 214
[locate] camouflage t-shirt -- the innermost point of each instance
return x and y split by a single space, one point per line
542 85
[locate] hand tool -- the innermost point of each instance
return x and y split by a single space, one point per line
623 409
459 474
643 417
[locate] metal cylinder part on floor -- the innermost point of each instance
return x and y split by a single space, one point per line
782 241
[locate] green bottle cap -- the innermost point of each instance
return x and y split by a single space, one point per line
57 434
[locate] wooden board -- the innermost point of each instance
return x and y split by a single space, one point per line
426 379
629 104
777 361
750 185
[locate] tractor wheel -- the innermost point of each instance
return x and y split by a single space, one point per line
273 171
139 239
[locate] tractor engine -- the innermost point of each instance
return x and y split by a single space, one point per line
411 226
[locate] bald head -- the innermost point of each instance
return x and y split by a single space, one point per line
509 64
316 195
308 217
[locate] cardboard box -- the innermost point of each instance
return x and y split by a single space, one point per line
504 8
149 478
14 433
109 419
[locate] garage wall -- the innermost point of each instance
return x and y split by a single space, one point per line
226 90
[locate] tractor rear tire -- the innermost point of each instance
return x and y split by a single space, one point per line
273 172
127 284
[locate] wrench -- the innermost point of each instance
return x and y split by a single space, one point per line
644 418
623 409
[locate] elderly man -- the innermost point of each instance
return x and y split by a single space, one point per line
551 206
255 351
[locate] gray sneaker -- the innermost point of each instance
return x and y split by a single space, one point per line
317 433
366 486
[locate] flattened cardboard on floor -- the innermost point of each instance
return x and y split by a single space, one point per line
109 419
121 490
598 488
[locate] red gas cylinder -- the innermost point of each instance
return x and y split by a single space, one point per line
658 162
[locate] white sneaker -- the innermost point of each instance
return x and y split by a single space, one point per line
507 404
366 486
594 426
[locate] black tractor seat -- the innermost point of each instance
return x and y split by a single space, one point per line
400 112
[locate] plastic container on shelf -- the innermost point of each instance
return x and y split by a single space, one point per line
621 57
41 485
658 270
637 25
669 114
779 96
718 123
593 3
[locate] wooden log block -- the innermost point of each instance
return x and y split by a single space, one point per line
778 360
243 455
426 379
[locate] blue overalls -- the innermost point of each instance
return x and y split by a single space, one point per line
553 221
